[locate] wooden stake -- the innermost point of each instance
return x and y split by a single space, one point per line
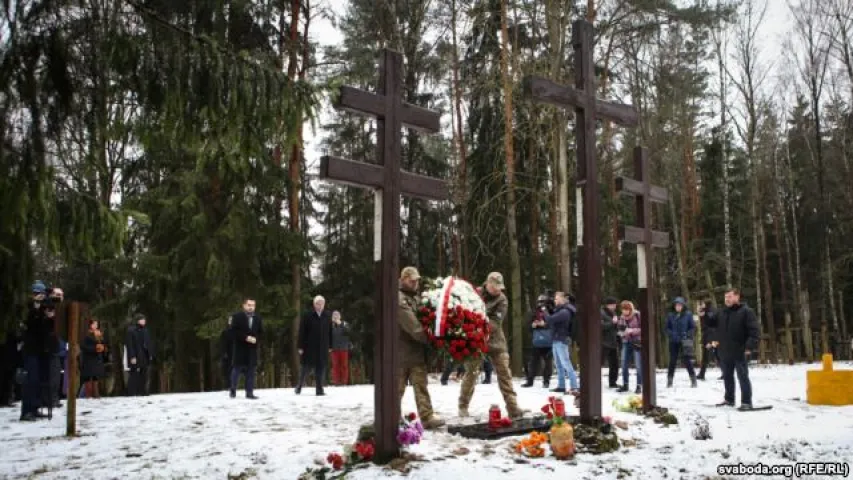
73 370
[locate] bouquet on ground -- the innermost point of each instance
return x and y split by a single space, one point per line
453 316
411 430
633 403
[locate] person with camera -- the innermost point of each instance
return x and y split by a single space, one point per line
708 322
542 341
40 349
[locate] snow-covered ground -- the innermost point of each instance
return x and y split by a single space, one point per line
209 436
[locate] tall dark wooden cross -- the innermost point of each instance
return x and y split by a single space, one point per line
389 182
587 109
646 240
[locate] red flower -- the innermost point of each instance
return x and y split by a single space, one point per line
546 409
506 422
412 416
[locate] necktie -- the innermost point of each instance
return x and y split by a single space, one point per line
250 321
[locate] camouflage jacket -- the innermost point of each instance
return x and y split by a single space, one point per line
496 309
413 340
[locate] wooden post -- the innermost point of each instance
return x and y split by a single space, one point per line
646 240
587 110
73 370
390 182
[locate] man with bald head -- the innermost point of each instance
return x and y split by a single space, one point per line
315 338
413 342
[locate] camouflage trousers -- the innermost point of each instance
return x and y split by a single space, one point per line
500 362
418 376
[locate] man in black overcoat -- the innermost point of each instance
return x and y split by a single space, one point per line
737 336
315 336
139 351
247 328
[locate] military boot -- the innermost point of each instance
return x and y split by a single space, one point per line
433 422
463 412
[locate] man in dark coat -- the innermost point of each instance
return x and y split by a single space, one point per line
610 340
315 338
247 328
140 354
708 321
737 337
40 345
226 345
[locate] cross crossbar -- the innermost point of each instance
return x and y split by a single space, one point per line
369 175
636 236
629 186
546 91
370 104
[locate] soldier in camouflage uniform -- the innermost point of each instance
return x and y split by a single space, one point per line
496 309
413 340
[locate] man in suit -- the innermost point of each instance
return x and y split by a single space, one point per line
247 328
315 337
140 354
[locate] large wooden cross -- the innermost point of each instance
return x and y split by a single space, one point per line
587 109
390 182
646 240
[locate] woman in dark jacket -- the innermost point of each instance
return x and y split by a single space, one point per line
94 348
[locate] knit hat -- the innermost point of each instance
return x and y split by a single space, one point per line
39 287
611 301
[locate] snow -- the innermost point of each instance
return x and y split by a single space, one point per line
208 435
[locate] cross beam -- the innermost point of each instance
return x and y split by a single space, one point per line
646 240
389 181
587 108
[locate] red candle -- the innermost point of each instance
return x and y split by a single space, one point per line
559 407
495 416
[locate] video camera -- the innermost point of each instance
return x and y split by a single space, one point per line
545 301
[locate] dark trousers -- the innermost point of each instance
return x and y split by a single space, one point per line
487 370
225 367
31 389
448 369
729 368
710 353
249 373
539 355
137 381
675 350
611 357
319 375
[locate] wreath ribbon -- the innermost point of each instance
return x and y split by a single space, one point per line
444 299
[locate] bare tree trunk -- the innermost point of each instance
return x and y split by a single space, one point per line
762 354
721 49
843 321
460 145
512 229
679 254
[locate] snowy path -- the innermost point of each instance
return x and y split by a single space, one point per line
209 436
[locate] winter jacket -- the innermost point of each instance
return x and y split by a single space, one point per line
137 344
340 336
737 331
413 340
496 309
561 321
680 326
709 321
315 337
609 337
630 328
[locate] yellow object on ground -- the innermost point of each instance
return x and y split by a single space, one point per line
829 386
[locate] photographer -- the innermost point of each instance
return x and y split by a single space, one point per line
708 322
542 340
40 350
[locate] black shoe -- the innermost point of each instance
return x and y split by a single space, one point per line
669 382
613 385
700 377
622 389
28 417
251 397
527 385
744 407
486 382
726 404
639 389
558 390
58 404
298 389
321 393
233 394
545 385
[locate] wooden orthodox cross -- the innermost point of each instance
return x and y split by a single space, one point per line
390 182
587 109
646 240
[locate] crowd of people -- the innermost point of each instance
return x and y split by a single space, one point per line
35 357
35 369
